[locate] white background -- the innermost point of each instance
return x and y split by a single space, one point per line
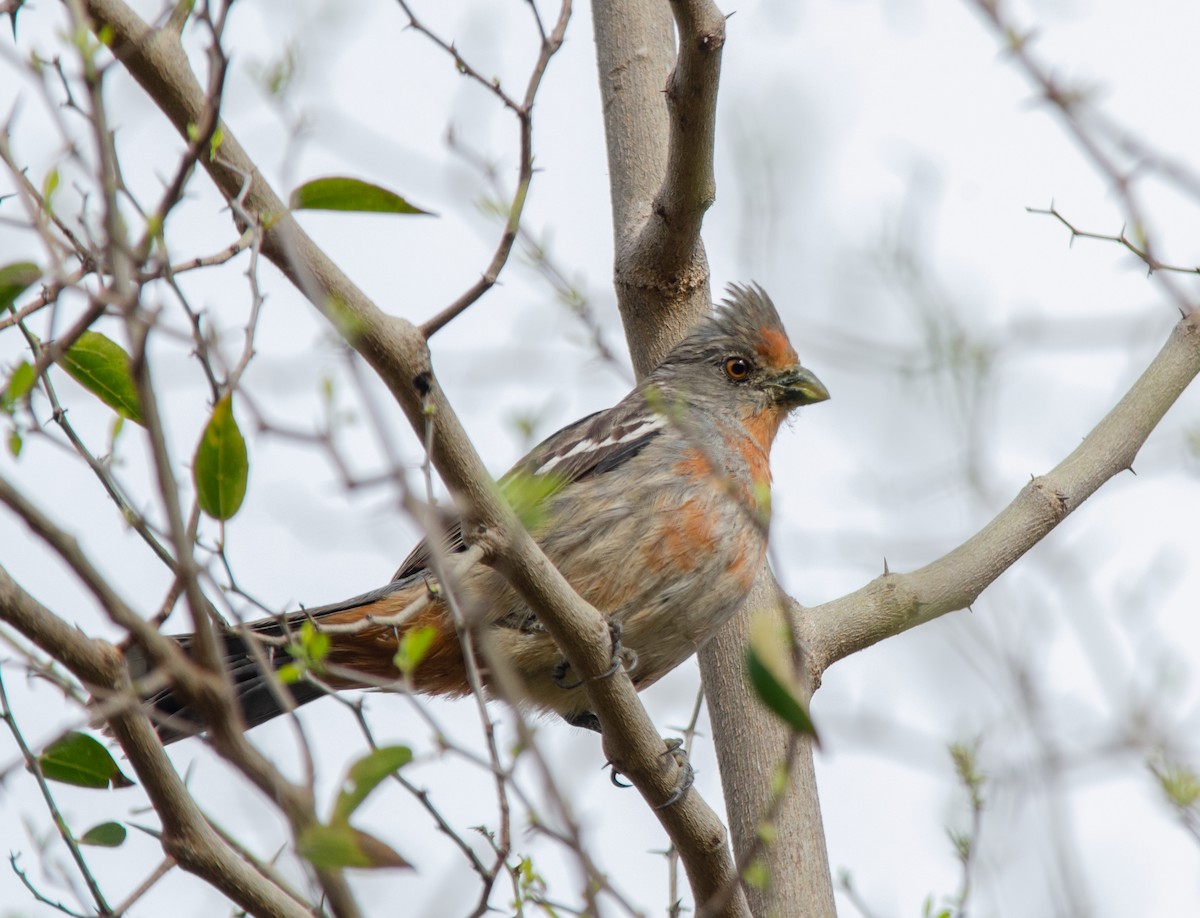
847 131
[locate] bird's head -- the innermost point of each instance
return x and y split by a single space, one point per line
740 360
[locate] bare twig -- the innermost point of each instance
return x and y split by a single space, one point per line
398 353
64 831
1073 105
524 112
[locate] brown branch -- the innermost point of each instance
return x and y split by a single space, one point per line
660 165
398 353
660 130
1122 240
1072 105
669 242
204 689
524 112
894 603
186 835
60 823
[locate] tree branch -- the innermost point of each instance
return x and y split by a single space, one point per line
660 162
187 836
660 165
397 351
894 603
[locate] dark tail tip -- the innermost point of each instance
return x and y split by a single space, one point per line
175 720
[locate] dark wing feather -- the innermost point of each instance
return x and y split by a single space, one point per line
593 445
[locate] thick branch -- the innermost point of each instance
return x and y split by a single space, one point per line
398 352
660 131
896 602
660 165
187 835
751 744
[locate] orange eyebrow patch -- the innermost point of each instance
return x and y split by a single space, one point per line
775 349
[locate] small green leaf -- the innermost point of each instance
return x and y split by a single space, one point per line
114 432
19 383
49 186
527 494
80 760
769 669
221 465
1180 785
289 673
340 193
101 366
105 835
15 279
341 845
757 875
309 648
414 646
15 442
367 774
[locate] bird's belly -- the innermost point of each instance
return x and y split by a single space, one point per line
671 566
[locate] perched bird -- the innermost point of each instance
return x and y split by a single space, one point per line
655 511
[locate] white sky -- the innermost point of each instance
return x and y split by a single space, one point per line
843 128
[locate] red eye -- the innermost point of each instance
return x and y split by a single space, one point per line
737 368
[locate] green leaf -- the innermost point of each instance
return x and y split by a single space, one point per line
309 649
15 279
19 383
221 465
414 647
341 845
339 193
1180 785
312 646
757 874
83 761
769 668
214 143
101 366
527 494
15 442
105 835
289 673
49 186
367 774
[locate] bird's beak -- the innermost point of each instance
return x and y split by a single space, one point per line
799 386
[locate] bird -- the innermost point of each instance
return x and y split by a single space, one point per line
655 510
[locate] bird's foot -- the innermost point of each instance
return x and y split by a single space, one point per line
687 774
622 658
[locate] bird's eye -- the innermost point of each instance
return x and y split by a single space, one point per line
737 368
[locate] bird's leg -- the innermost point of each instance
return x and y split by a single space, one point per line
622 658
625 658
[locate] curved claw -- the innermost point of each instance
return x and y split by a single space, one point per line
622 658
560 676
687 774
615 776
